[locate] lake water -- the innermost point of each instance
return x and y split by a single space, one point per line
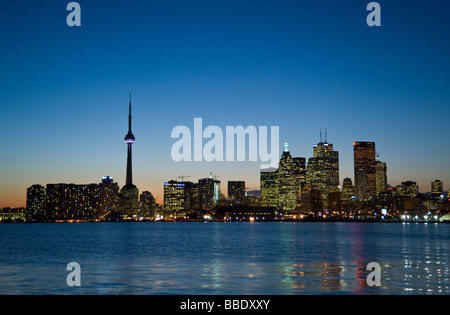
225 258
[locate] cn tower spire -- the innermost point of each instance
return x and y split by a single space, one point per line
129 118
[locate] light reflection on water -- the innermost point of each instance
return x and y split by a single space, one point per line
198 258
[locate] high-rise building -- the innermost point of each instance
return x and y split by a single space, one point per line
287 182
81 202
55 202
109 198
381 177
323 170
365 171
300 174
236 191
177 199
269 188
36 202
208 192
72 202
437 189
129 193
147 205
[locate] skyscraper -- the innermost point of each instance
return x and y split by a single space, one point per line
323 170
147 205
177 199
109 198
381 177
287 182
208 192
129 193
269 188
365 171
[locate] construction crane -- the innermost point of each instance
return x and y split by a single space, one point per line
183 177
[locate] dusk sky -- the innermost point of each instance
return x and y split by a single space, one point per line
299 65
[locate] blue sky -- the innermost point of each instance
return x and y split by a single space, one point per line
300 65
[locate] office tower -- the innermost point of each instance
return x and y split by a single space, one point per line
236 192
147 208
365 174
208 192
300 175
287 182
347 189
323 170
129 193
36 202
408 189
437 189
269 188
381 177
195 199
177 199
109 198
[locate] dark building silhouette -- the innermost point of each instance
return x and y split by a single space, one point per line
236 192
129 193
36 204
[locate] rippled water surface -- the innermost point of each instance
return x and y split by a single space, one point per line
225 258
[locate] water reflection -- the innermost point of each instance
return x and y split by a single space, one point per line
227 259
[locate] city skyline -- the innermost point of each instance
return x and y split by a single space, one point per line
298 65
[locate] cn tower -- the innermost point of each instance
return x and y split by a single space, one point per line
129 193
129 140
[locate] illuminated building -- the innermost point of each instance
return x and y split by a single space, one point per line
55 202
177 199
381 177
236 191
129 193
208 192
269 188
109 198
323 170
72 202
36 195
287 182
147 207
81 202
408 189
437 189
365 171
300 175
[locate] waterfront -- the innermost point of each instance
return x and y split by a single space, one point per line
225 258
